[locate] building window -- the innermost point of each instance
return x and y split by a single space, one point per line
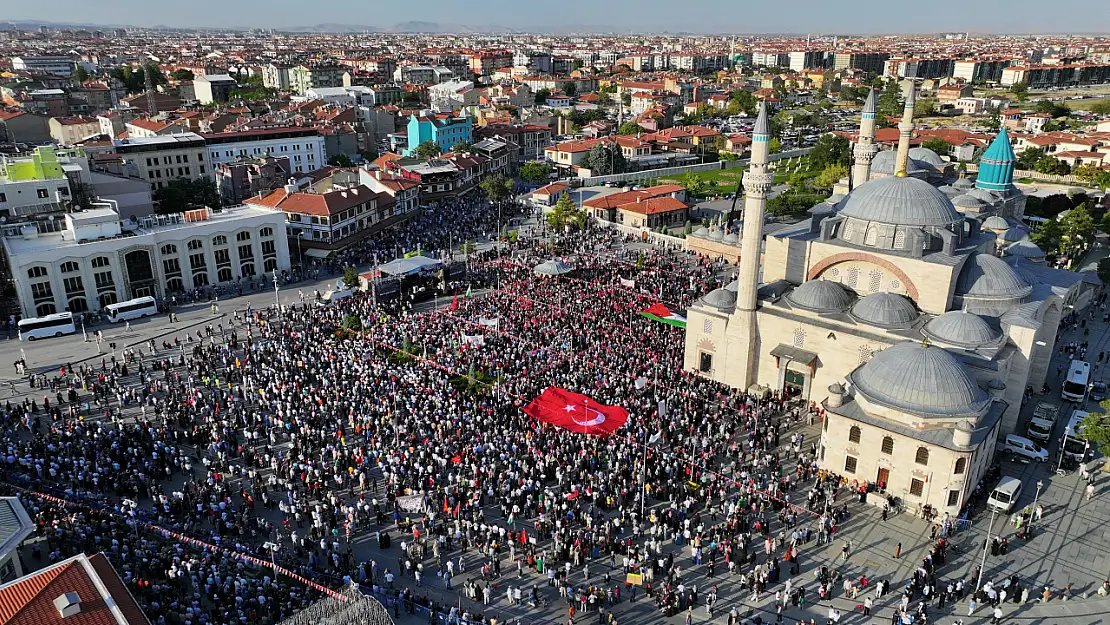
246 252
853 276
103 280
70 267
705 364
219 239
43 193
899 239
73 285
243 236
36 272
953 498
169 249
223 257
799 338
922 456
916 487
195 245
266 232
961 466
707 326
888 445
850 464
875 281
854 434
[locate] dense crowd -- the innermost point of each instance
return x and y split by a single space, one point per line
302 435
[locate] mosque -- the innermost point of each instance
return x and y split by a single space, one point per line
914 309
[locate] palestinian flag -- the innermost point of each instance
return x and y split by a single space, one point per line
659 312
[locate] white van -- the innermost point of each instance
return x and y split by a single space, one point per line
1005 495
1043 422
334 296
1020 446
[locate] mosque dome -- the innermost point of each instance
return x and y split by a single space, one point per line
733 286
994 222
949 190
920 380
962 329
967 202
925 155
990 197
1024 249
963 184
885 160
701 232
723 299
988 277
900 201
1017 233
716 235
885 310
731 238
820 296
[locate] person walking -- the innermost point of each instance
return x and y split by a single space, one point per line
898 551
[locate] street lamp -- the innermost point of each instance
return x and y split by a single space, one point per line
1040 485
277 296
272 548
986 545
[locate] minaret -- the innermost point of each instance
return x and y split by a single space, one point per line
905 128
757 184
865 148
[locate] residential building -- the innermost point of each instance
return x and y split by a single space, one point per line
802 60
18 126
440 179
979 70
276 76
530 140
81 589
549 195
1063 75
971 106
34 184
305 77
72 130
870 62
163 102
405 193
453 95
661 205
213 88
949 94
15 527
441 129
250 176
332 214
57 65
499 157
571 153
163 158
422 74
536 62
94 258
485 63
304 146
146 127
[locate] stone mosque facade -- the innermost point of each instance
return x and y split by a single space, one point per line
914 309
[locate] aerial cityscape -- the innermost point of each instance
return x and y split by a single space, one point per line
499 314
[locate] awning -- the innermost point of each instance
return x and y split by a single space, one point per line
313 252
406 266
793 354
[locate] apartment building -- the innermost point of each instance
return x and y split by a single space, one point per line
305 77
160 159
276 76
303 146
57 65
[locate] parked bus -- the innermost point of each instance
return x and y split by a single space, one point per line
50 325
132 309
1072 446
1076 386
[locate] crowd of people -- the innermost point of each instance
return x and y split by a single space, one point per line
310 434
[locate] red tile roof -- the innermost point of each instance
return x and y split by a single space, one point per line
654 206
319 204
30 599
551 189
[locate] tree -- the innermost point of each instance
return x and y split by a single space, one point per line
890 101
571 89
535 171
498 188
1027 160
1096 428
791 204
830 175
541 95
1048 237
774 146
630 128
728 156
744 102
80 74
994 119
1079 230
850 94
181 194
428 149
626 98
340 160
924 107
1102 107
182 74
938 145
462 147
156 76
830 149
411 97
1055 109
1020 91
1051 165
565 214
605 159
350 278
1104 270
694 183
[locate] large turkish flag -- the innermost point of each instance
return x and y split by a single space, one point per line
575 412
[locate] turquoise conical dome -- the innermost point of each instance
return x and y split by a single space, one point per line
996 167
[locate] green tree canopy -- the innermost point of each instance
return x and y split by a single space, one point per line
924 107
1096 428
694 183
605 159
541 95
350 278
1102 107
182 74
744 102
1027 160
830 149
940 146
1020 90
535 171
427 149
1079 230
1055 109
1048 237
565 214
830 175
890 100
462 146
994 119
181 194
498 188
80 74
340 160
630 128
774 146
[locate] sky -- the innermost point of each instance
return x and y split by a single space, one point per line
641 16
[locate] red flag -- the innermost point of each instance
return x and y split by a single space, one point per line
575 412
454 303
457 459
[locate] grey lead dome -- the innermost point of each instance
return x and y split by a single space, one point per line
989 277
962 329
900 201
820 296
885 310
920 380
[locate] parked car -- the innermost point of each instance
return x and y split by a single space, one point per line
1098 390
1015 445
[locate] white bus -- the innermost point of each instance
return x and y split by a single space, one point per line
50 325
1077 383
132 309
1073 446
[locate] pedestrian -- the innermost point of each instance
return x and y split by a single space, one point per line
898 551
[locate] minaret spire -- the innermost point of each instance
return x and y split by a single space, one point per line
905 127
865 148
757 185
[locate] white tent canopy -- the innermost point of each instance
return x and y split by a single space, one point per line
407 266
552 268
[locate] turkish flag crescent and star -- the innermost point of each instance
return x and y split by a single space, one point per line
575 412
